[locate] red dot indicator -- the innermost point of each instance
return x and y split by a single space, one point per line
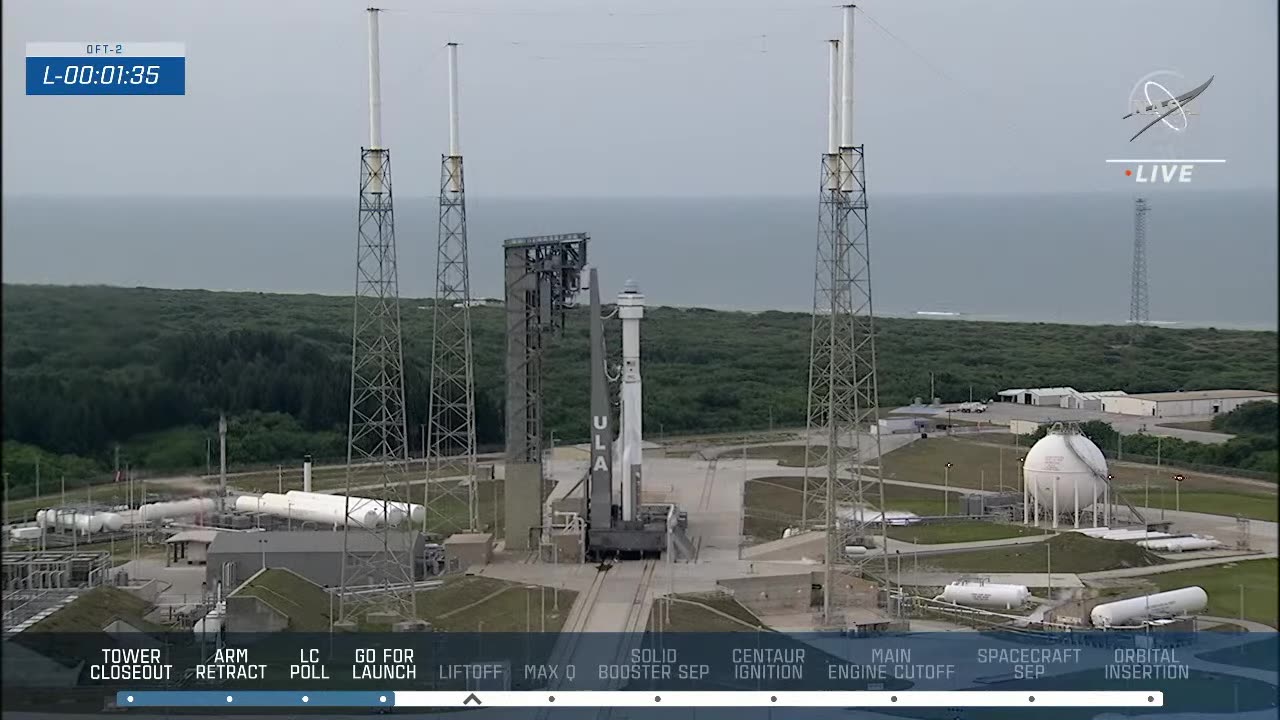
1127 173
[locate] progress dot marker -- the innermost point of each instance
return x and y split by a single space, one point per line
228 698
1127 173
306 699
129 699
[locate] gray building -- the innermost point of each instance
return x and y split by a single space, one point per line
313 554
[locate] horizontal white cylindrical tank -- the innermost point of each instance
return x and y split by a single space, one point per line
985 595
1180 544
894 518
68 520
25 533
1182 601
111 522
1064 466
395 515
855 550
176 509
302 511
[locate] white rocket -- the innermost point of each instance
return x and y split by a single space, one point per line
631 311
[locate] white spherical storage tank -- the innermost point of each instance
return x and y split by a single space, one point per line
1182 601
986 595
1063 466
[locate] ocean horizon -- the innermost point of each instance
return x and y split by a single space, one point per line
1010 258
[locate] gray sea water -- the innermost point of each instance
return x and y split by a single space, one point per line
1061 258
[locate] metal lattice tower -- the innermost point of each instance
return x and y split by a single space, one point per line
377 557
1138 314
843 390
451 425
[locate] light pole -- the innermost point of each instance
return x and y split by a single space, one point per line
946 489
1177 491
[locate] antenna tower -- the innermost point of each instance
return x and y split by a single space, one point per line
377 557
843 392
451 427
1138 292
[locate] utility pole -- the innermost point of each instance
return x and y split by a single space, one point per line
1048 568
222 465
280 479
946 489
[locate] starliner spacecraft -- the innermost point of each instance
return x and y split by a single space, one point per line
627 527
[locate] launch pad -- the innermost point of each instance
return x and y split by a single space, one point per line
543 274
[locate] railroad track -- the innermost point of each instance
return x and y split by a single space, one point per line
708 481
637 623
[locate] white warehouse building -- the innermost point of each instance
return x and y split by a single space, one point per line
1051 396
1089 400
1174 404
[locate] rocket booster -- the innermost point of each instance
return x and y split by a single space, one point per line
600 491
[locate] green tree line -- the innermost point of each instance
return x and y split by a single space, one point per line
89 368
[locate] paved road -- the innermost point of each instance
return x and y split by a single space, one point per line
1248 625
1128 424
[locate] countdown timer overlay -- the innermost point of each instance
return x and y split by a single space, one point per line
106 68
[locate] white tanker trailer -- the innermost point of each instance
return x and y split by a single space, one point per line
1183 601
395 514
280 506
985 595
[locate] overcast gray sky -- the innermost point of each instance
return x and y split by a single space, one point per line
660 97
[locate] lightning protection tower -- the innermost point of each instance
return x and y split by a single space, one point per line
1138 285
377 557
451 427
843 391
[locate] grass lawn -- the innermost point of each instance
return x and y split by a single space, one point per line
978 465
1223 583
950 532
325 478
472 603
305 603
686 617
95 609
1070 553
122 550
772 504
